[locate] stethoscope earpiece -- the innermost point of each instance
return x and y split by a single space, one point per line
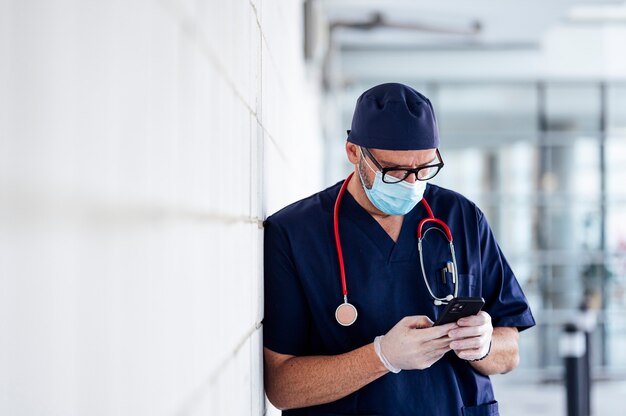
444 301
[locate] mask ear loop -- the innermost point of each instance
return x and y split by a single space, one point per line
445 230
365 160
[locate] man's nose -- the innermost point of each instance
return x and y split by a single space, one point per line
411 178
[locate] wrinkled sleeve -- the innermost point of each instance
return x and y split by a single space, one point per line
286 315
504 299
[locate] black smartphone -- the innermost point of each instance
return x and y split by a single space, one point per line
459 308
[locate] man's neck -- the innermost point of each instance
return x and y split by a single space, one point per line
390 223
355 187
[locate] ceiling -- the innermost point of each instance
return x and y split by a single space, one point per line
477 40
503 24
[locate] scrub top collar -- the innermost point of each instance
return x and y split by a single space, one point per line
405 248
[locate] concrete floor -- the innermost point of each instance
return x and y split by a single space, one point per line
522 396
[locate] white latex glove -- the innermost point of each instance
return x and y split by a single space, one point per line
415 344
472 338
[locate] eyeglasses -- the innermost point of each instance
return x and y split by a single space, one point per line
395 175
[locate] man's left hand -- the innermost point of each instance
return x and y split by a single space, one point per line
471 340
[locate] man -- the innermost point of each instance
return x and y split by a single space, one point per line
364 343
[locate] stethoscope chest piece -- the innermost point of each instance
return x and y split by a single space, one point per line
346 314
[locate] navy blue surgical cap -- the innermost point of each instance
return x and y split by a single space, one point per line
394 117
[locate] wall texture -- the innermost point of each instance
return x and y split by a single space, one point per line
142 143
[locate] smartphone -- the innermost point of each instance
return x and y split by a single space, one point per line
459 308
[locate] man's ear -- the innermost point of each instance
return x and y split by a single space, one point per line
352 151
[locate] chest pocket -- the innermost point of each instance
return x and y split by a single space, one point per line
467 285
487 409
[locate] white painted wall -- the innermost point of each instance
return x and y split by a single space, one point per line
142 142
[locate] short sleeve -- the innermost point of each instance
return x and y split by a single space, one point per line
287 316
504 299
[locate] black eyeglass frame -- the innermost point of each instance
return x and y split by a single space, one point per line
407 172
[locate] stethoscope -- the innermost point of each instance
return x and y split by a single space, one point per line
346 313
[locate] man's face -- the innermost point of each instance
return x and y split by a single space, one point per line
409 159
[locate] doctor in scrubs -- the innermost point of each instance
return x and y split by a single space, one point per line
350 299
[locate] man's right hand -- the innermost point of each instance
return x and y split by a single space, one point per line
415 344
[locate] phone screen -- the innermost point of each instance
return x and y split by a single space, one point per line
459 308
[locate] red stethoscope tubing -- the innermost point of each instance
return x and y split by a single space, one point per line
342 268
431 218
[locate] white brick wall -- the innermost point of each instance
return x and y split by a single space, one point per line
142 142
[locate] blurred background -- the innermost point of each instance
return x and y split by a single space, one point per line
143 142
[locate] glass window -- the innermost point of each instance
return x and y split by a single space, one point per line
573 108
485 114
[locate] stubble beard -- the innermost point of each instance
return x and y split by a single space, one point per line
363 174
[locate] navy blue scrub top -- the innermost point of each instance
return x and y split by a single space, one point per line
385 284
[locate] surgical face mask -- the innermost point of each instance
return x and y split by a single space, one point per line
393 198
